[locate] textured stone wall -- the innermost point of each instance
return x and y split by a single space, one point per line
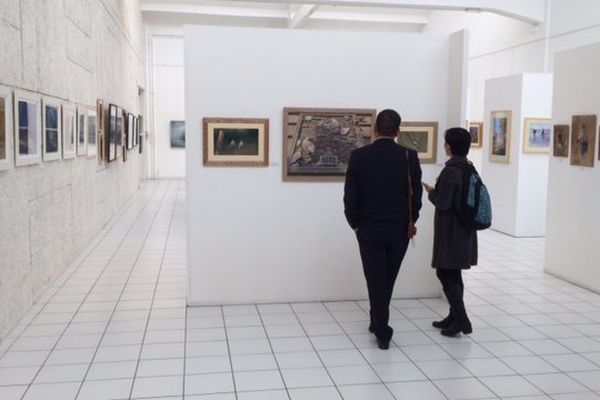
77 51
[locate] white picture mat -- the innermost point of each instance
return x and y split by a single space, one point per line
57 104
36 156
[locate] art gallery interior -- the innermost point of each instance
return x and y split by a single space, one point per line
171 227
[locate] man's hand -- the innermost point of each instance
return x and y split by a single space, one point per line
428 188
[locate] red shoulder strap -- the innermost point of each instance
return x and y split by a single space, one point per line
410 189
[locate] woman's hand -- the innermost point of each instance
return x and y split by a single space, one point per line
428 188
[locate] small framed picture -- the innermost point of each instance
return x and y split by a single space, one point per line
583 140
236 142
28 128
536 135
101 126
111 138
476 131
6 118
422 137
81 131
92 134
177 130
51 129
500 135
561 140
69 131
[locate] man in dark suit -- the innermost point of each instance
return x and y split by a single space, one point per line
376 200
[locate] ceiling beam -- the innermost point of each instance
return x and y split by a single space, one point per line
327 15
298 18
530 11
225 10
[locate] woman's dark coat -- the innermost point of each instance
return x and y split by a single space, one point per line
454 246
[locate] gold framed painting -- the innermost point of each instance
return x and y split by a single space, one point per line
500 136
536 135
583 140
561 140
476 131
317 142
235 142
422 137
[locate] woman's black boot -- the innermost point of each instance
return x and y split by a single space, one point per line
461 322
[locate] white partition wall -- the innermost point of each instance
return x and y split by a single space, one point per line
252 237
572 249
519 188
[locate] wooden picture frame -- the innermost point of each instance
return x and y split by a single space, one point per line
51 129
475 128
317 142
583 140
6 131
92 134
81 131
27 128
500 136
537 135
421 136
560 141
224 145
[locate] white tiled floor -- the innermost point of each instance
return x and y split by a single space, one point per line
115 326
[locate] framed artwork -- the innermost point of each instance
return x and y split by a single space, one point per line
422 137
51 129
69 132
92 134
500 135
135 131
101 125
317 142
236 142
111 139
177 134
130 134
561 141
583 140
140 133
121 117
81 131
476 131
536 135
6 118
28 129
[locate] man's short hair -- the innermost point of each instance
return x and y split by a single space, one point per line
459 140
388 123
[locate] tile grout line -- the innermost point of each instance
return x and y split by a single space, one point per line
154 292
80 304
158 207
264 328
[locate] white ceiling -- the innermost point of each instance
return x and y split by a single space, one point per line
404 15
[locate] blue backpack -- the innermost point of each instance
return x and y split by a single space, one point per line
476 206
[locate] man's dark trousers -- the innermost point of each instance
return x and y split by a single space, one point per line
381 261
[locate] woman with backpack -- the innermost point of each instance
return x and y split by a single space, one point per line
455 238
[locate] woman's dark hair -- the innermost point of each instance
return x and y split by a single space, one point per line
459 140
388 123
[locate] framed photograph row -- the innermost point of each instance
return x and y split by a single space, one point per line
317 142
122 135
36 128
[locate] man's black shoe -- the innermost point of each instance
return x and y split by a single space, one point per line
383 344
